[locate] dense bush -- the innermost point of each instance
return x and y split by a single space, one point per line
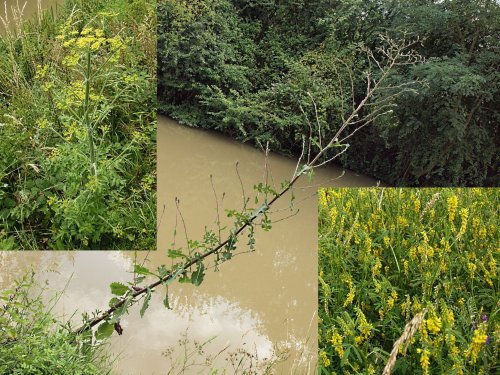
78 128
246 67
385 255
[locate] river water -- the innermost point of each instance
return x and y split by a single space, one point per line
262 302
12 10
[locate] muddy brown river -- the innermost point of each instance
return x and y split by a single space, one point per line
12 11
263 303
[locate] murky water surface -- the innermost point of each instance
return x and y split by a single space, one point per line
12 11
258 302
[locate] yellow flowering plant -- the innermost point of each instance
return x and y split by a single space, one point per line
82 107
396 253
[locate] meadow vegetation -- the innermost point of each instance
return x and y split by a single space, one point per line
387 256
78 128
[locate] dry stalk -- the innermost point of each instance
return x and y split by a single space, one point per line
409 331
429 205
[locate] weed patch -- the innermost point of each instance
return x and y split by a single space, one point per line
78 128
426 259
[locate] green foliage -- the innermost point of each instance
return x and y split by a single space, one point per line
447 134
78 129
32 341
387 254
256 70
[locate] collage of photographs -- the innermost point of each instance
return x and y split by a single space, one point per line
247 187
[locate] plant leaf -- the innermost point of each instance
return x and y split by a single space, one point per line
104 331
145 304
113 301
198 275
176 254
118 289
141 270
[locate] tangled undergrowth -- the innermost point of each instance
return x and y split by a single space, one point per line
33 341
387 255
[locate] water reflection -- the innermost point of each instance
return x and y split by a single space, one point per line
201 317
257 302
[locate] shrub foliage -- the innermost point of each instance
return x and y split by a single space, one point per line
246 67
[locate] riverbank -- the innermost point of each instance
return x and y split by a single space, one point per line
32 341
78 128
268 72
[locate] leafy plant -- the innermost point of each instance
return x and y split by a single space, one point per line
32 341
246 67
78 134
391 256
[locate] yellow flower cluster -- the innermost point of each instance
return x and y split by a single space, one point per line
433 324
324 358
452 207
464 214
424 360
337 344
88 40
352 290
364 327
479 338
444 265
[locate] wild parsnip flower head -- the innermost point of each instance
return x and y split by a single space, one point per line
88 40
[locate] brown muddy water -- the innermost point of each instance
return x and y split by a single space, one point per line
262 303
12 11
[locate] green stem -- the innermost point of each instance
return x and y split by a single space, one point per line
87 118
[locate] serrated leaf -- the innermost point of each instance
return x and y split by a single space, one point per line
176 254
141 270
120 311
118 289
185 279
145 304
198 275
174 276
113 301
104 331
162 271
